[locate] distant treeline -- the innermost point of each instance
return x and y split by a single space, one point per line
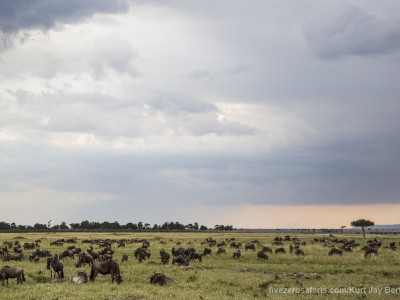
86 225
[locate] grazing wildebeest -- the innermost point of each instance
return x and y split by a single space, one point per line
237 253
29 245
375 243
164 257
250 246
12 272
161 279
42 253
57 243
16 257
393 246
207 251
280 250
177 251
266 249
54 264
158 278
369 251
221 244
84 258
291 248
235 245
195 255
141 254
180 260
104 268
2 255
335 251
124 257
299 252
17 249
262 255
67 253
80 278
220 251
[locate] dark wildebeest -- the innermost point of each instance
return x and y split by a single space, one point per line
124 257
369 251
280 250
237 253
32 257
16 257
375 243
250 246
177 251
161 279
393 246
104 268
12 272
207 251
54 264
180 260
221 244
141 254
67 253
84 258
220 251
29 245
194 255
42 253
164 257
80 278
299 252
335 251
266 249
262 255
17 250
235 245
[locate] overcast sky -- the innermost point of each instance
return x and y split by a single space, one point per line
211 111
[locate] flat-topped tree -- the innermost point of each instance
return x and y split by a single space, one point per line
362 223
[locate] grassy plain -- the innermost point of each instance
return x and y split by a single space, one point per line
217 277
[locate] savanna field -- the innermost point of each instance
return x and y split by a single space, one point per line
282 276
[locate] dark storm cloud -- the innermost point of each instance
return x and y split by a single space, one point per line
17 15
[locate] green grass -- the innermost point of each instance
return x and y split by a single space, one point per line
217 277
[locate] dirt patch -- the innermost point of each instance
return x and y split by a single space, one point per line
302 275
186 268
129 297
250 270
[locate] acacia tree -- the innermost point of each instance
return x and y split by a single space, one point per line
362 223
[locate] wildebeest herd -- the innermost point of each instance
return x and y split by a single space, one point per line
99 254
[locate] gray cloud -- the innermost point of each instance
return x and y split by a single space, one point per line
43 14
232 106
354 31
